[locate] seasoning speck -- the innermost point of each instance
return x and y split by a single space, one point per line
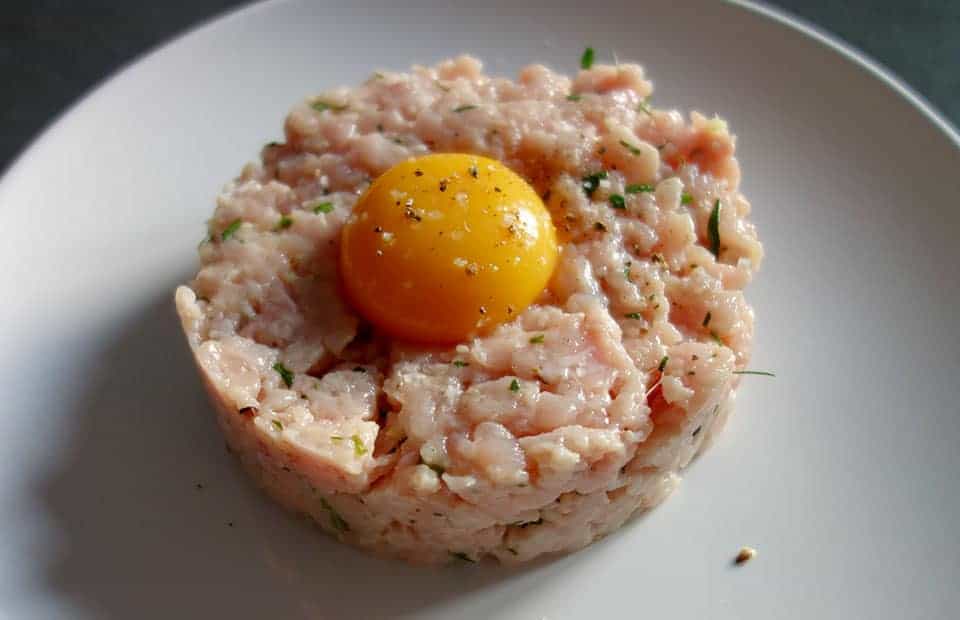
231 228
636 188
538 339
617 201
514 386
323 207
573 97
464 108
744 555
586 60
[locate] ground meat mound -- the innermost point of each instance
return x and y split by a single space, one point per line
540 436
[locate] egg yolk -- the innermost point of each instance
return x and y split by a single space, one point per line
445 246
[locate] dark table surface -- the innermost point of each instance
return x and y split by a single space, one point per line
53 51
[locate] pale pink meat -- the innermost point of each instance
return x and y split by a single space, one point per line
544 434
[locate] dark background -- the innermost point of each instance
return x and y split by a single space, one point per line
53 51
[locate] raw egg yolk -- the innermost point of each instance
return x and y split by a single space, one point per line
445 246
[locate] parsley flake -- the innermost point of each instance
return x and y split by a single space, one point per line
284 222
713 229
464 108
633 150
638 188
538 339
231 228
514 386
277 424
358 448
573 97
644 107
686 198
323 207
336 521
586 61
632 315
460 363
321 106
592 181
285 373
617 201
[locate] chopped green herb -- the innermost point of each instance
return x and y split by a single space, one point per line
636 188
465 108
633 150
285 222
713 229
626 270
439 469
632 315
336 438
706 319
754 372
358 448
277 424
285 373
586 61
231 228
321 106
514 386
617 201
538 339
716 337
336 521
573 97
644 107
663 363
459 555
592 181
460 363
686 198
323 207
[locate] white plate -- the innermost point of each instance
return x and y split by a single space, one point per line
843 471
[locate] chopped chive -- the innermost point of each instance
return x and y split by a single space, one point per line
713 229
231 228
460 363
633 150
586 61
644 107
538 339
277 425
465 108
285 373
323 207
637 188
358 448
592 181
754 372
336 521
632 315
706 319
617 201
716 338
663 363
336 438
573 97
321 106
285 221
514 386
686 198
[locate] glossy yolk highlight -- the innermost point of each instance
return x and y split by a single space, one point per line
445 246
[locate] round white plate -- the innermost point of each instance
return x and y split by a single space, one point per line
117 498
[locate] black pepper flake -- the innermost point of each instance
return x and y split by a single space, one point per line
483 309
706 319
474 172
599 226
410 214
497 189
378 229
443 185
418 173
696 431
